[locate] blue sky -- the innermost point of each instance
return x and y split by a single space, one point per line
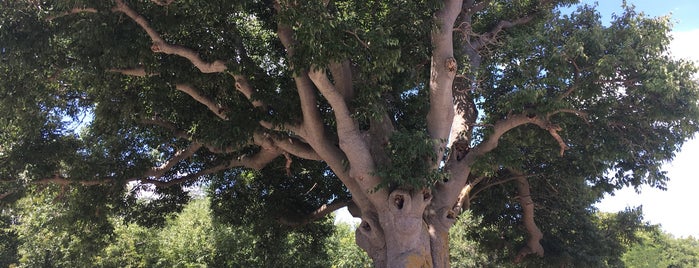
673 209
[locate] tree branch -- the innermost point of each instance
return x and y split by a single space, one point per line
179 156
322 211
218 109
160 46
351 142
449 190
296 147
342 75
6 194
313 129
442 72
139 72
256 161
535 235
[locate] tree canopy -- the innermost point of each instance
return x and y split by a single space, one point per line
406 112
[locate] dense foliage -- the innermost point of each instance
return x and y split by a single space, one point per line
406 112
44 237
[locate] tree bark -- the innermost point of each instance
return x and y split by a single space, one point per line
409 234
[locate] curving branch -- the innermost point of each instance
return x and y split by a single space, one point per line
218 109
256 161
160 46
297 147
243 86
313 130
322 211
535 235
453 186
351 141
179 156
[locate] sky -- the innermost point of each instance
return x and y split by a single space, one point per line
672 209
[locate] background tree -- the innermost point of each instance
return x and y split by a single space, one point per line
659 249
42 236
407 112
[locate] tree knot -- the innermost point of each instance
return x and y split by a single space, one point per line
450 64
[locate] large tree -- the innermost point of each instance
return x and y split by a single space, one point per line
407 112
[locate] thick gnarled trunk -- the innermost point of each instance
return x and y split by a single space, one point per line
408 234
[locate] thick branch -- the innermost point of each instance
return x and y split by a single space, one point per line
322 211
351 142
449 191
256 161
313 129
159 45
492 35
179 156
297 148
242 85
442 72
535 235
139 72
219 110
342 75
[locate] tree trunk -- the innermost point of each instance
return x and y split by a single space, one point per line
406 235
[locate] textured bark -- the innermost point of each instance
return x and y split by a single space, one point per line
525 200
408 234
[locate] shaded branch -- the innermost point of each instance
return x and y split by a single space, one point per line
218 109
297 147
321 212
139 72
492 35
496 182
160 46
256 161
342 76
535 235
6 194
179 156
178 133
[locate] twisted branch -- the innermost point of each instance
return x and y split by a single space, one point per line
160 46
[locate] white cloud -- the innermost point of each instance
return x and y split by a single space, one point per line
685 45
